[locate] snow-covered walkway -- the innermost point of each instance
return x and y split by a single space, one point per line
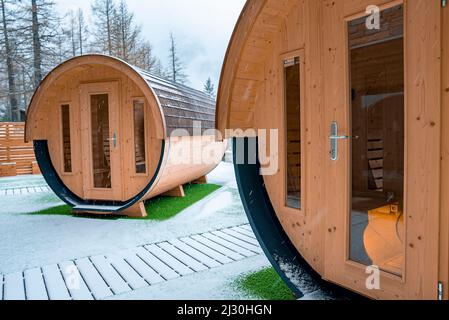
24 190
104 276
120 258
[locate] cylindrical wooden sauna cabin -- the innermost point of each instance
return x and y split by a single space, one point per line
357 93
108 136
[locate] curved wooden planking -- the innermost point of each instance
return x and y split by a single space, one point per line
251 96
167 107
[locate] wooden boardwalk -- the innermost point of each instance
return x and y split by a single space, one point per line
24 190
103 276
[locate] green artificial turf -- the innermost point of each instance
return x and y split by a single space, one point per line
265 284
163 208
159 209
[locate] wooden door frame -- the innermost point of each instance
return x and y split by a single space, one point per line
444 219
61 136
86 91
421 245
143 100
300 53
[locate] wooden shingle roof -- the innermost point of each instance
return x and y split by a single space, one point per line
182 106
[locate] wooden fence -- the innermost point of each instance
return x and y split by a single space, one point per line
16 156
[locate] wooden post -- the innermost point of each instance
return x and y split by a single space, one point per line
201 180
136 211
176 192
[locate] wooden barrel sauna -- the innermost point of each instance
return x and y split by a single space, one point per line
108 135
356 94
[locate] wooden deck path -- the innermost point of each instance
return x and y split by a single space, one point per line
24 190
103 276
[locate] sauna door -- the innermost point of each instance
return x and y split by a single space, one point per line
100 141
382 117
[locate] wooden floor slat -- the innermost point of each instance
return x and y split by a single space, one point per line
219 248
204 259
94 281
242 237
143 269
56 287
160 267
24 190
35 285
14 288
110 275
183 257
207 251
134 280
179 267
247 227
74 281
103 276
229 245
245 232
238 242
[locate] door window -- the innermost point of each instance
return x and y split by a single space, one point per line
292 86
377 227
101 149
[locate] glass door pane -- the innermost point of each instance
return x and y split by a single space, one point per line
66 139
293 132
377 228
101 151
139 137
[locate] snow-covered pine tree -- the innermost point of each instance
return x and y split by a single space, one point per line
209 88
103 12
176 68
83 30
127 36
39 36
10 110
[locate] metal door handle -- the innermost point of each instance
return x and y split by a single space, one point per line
334 138
114 140
340 137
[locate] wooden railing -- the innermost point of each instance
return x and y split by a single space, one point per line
16 156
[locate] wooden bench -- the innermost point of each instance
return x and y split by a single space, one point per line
8 169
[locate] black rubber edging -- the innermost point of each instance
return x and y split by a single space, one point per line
60 189
269 232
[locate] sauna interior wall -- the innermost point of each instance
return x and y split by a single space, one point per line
65 90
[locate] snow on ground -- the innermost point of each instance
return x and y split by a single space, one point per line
214 284
22 181
28 241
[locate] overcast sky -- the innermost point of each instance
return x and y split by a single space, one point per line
202 28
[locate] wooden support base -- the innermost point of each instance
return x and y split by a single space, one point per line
176 192
202 180
136 211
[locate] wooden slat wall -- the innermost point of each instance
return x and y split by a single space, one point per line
13 149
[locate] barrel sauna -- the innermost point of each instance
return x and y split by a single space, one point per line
108 136
353 97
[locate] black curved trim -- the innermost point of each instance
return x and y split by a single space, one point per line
57 185
269 231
